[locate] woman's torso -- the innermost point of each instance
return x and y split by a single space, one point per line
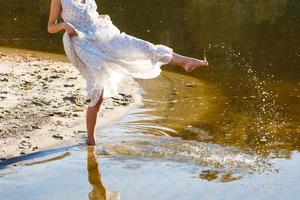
80 15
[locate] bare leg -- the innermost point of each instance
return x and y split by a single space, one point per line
188 63
91 119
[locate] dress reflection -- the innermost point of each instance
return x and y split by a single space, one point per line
99 191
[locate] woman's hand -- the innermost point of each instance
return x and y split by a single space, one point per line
70 29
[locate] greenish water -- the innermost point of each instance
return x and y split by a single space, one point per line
239 117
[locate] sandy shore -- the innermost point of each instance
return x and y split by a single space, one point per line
42 104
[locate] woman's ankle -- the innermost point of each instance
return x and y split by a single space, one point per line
91 141
178 60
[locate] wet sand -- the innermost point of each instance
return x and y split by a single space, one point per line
43 104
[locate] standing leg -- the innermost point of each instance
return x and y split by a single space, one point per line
188 63
91 119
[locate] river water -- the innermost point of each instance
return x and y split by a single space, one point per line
221 133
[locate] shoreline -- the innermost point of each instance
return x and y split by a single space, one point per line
42 103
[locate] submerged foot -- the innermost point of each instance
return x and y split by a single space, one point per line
194 63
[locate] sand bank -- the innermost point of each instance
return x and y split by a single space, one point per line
43 104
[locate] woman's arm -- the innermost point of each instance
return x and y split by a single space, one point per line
53 26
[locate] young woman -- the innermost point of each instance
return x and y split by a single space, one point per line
104 55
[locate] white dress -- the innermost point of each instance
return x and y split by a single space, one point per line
104 55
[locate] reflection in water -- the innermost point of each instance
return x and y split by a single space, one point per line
214 175
99 191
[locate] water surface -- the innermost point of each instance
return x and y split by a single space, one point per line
236 123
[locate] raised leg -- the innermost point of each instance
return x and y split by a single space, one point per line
128 46
188 63
91 119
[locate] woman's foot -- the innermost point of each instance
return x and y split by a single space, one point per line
191 64
188 63
91 142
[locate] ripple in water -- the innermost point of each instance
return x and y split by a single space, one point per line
131 138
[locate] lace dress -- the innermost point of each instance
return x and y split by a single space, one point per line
103 55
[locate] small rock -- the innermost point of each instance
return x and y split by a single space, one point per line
24 143
126 95
79 101
78 109
59 137
4 79
115 98
61 114
35 148
35 127
81 131
28 128
54 77
174 101
38 76
69 85
37 103
190 85
15 126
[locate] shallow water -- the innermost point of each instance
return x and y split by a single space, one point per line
155 160
131 165
210 132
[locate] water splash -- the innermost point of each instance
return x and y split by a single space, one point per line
188 151
265 115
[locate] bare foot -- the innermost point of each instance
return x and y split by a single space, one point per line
193 63
91 142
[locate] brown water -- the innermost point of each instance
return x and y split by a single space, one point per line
236 122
